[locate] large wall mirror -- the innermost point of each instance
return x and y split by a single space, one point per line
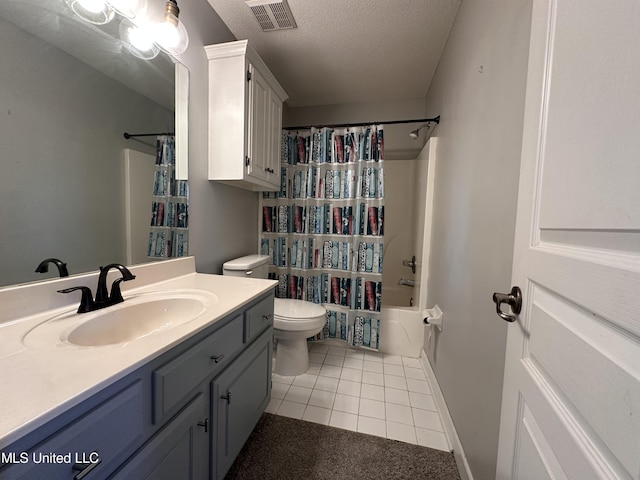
68 92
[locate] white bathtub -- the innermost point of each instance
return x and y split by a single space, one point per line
401 331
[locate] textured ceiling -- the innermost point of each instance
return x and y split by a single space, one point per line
347 51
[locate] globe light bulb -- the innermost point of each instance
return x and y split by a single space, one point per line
169 32
139 39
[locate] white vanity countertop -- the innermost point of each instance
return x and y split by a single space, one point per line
39 383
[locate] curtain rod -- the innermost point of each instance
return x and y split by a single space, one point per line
416 120
130 135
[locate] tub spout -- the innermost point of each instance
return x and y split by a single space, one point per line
406 282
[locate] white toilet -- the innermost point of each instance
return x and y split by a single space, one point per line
293 320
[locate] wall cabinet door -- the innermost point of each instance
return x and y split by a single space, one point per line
259 116
178 452
239 396
274 123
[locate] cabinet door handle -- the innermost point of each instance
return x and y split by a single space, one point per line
227 397
267 317
85 468
217 358
204 424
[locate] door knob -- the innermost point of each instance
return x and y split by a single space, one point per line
513 299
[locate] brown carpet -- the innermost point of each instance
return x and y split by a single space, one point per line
283 448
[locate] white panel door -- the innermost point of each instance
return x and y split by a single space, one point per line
571 399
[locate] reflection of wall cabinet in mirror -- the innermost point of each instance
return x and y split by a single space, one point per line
245 118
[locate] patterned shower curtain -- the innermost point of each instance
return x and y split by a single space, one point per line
169 235
324 229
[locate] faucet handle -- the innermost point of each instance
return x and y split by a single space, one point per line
86 302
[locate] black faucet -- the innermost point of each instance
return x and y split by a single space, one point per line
103 299
44 266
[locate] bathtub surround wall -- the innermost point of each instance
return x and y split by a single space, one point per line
479 91
400 206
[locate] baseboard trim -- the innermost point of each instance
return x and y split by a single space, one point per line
449 428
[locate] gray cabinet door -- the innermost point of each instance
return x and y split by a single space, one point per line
239 396
178 452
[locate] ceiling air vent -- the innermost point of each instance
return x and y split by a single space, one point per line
272 15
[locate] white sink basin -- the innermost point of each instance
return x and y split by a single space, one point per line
138 317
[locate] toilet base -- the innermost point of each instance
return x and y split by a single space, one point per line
292 357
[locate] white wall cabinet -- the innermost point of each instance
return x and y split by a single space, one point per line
245 118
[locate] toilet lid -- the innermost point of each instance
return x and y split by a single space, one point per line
289 309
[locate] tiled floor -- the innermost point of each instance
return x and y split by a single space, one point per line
384 395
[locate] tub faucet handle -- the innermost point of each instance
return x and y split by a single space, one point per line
410 263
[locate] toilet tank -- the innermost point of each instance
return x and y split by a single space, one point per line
256 266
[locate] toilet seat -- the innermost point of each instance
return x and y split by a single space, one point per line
296 315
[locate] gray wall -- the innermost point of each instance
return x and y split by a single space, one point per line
223 221
61 157
479 91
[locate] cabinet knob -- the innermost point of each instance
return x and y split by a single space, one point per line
217 358
267 317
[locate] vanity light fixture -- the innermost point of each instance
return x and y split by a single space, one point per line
169 32
144 33
98 12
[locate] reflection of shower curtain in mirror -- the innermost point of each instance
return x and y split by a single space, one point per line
169 235
324 229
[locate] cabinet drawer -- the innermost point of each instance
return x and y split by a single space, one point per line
110 432
258 318
173 383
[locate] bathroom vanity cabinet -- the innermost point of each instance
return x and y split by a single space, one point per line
245 118
184 415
